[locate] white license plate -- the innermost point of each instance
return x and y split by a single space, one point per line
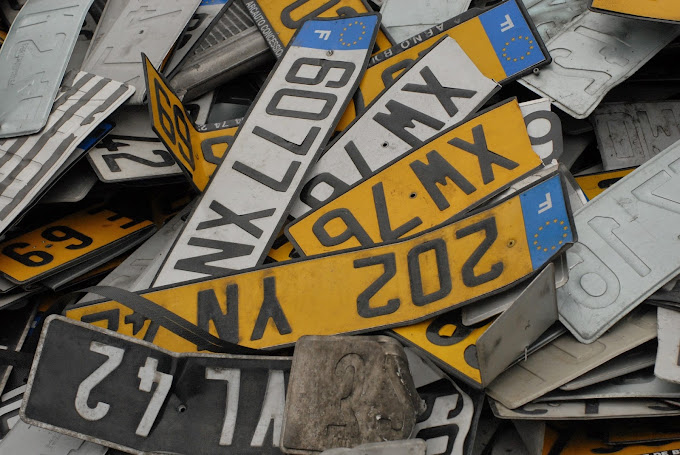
627 247
592 55
668 355
441 89
28 163
244 205
149 26
33 60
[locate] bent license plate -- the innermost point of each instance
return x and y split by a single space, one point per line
593 54
197 153
475 161
628 247
151 26
656 10
28 163
501 41
33 61
130 395
65 243
286 127
453 89
393 284
278 20
595 184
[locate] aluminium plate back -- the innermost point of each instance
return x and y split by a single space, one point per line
149 26
29 163
232 46
403 447
628 247
28 439
629 134
633 360
405 18
594 53
33 61
566 358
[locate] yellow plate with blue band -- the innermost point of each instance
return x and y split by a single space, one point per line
502 41
656 10
459 169
361 290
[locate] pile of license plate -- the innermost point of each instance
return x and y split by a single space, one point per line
408 227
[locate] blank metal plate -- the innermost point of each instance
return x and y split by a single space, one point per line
29 439
592 55
33 60
149 26
668 353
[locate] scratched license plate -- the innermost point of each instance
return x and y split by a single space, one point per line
501 41
656 10
66 242
245 204
389 285
278 20
475 160
130 395
628 247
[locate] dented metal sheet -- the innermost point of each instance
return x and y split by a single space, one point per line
441 89
31 162
405 18
628 247
668 355
286 127
532 313
629 134
593 54
129 394
149 26
586 410
368 374
33 60
482 157
633 360
28 439
566 359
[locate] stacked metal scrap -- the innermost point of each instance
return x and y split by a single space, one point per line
445 227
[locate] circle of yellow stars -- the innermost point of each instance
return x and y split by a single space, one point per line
527 39
359 38
565 234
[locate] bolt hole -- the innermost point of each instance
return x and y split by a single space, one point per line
511 243
413 195
385 144
181 408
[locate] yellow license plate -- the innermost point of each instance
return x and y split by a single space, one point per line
579 440
363 290
197 153
501 41
458 170
279 19
64 243
594 184
449 343
664 10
